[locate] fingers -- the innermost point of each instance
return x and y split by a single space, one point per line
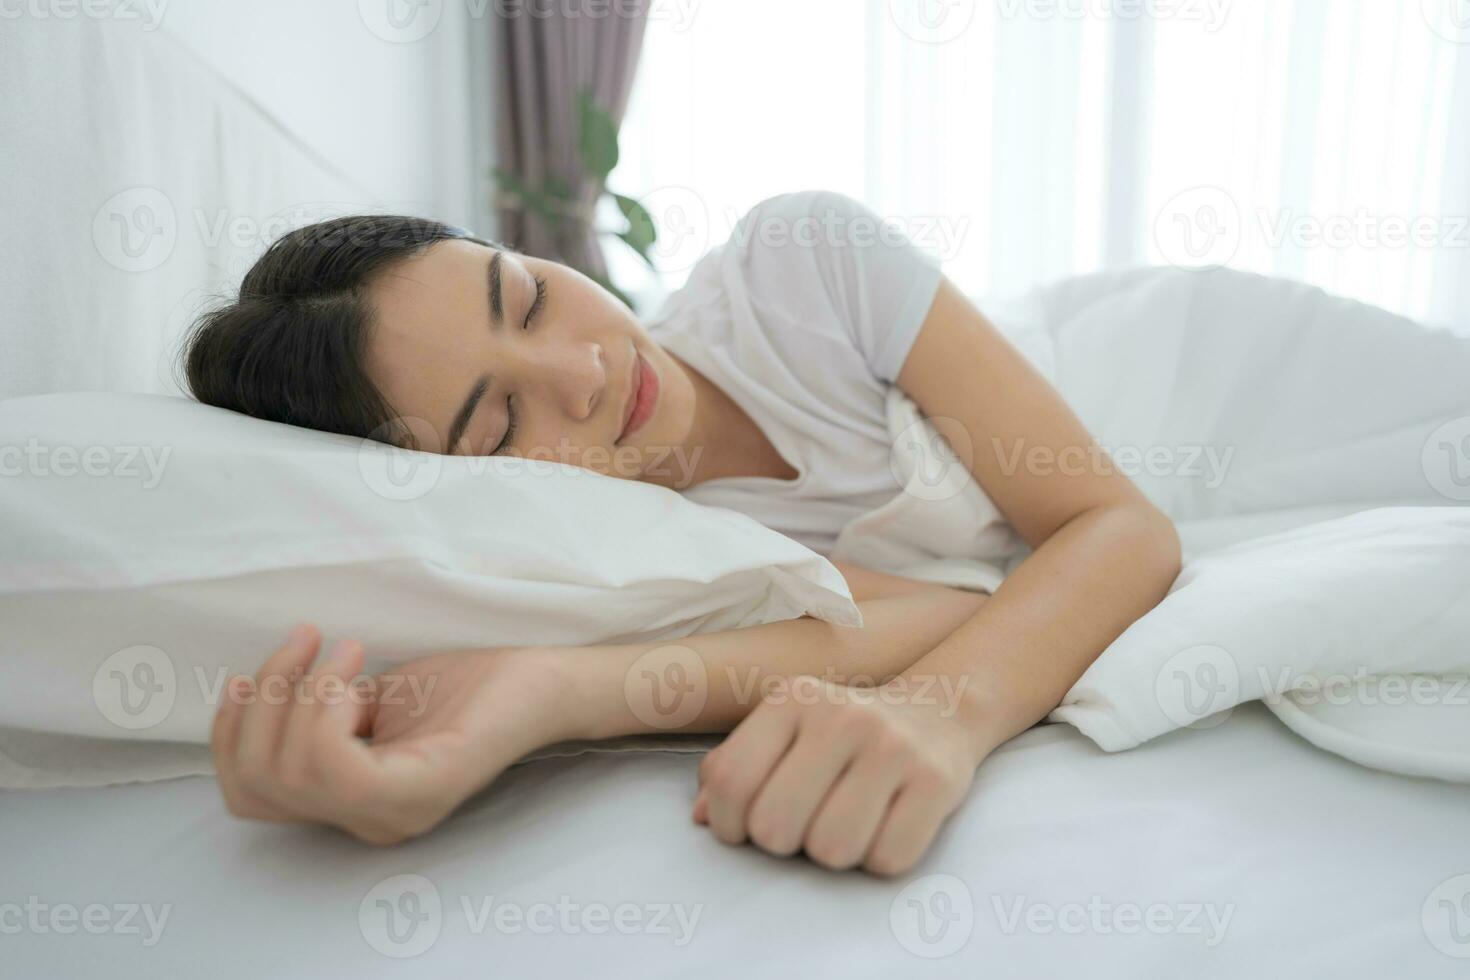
323 715
341 715
292 749
843 830
732 773
264 721
224 739
282 742
850 779
786 803
908 829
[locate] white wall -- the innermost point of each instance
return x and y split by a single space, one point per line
399 112
148 164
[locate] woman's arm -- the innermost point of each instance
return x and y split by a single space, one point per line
872 784
1103 555
387 757
865 583
730 673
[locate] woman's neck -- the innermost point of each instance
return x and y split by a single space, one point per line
724 441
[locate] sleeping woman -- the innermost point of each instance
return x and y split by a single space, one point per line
759 386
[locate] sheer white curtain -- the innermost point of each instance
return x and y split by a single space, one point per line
1024 140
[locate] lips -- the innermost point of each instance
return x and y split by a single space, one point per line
642 396
634 384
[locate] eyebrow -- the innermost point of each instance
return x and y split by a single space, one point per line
462 417
497 316
497 307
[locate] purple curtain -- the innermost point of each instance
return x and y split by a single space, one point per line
547 54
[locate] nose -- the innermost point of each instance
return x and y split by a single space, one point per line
578 377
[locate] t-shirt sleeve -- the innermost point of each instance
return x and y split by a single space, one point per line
833 264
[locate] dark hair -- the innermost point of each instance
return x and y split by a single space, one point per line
290 348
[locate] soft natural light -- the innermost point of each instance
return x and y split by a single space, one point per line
1024 140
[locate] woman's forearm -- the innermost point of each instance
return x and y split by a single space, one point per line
1053 616
613 688
866 583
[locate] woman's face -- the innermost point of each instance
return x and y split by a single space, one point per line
476 365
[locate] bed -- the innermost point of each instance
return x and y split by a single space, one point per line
1311 866
1223 850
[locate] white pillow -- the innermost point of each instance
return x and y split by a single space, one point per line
155 543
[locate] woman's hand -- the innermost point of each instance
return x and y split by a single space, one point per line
853 776
287 743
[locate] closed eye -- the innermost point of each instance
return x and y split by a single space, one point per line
512 419
536 304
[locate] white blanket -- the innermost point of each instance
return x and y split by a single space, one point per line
1235 399
1352 631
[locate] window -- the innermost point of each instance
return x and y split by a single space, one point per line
1025 140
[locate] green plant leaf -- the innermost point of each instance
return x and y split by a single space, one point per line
599 138
535 201
642 233
554 187
647 259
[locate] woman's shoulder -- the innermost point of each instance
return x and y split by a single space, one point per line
808 218
821 276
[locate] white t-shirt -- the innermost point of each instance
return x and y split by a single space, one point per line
804 317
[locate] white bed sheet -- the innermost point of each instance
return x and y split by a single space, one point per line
1328 870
